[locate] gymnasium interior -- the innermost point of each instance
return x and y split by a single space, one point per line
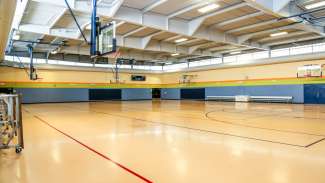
162 91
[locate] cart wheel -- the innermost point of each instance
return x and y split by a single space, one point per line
18 150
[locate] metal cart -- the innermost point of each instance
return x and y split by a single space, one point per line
11 129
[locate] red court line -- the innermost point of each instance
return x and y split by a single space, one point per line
96 152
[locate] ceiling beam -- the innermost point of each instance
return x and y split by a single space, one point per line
298 33
116 6
285 8
294 40
196 23
21 7
188 8
226 47
270 5
120 24
127 42
253 26
246 37
158 21
233 50
153 5
188 42
146 40
58 18
173 38
134 31
192 49
239 19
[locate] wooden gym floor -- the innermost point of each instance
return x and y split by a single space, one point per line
169 142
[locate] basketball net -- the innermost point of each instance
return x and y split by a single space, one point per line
115 55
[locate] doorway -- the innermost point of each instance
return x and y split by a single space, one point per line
156 93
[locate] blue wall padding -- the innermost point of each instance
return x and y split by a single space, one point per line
136 94
171 93
193 93
315 94
40 95
296 91
225 91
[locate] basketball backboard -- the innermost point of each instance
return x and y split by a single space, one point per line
107 39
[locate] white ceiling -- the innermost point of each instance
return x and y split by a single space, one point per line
151 26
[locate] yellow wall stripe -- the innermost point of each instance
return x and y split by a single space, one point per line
258 82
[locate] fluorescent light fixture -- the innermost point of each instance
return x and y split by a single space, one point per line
208 8
16 37
315 5
235 52
175 54
88 27
278 34
181 40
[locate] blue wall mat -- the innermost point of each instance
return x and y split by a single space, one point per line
171 93
136 94
224 91
39 95
193 93
315 94
296 91
105 94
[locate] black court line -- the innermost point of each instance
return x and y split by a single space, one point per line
314 143
255 127
220 133
247 126
194 129
280 114
202 130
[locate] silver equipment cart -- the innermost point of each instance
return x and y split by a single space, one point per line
11 129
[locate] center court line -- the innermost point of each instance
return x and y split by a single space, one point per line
207 115
195 129
94 151
203 130
220 133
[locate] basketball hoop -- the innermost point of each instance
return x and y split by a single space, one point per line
116 55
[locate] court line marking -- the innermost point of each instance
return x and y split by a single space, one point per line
220 133
251 126
202 130
93 150
281 114
314 143
194 129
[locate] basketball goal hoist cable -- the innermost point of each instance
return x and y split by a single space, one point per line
76 21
